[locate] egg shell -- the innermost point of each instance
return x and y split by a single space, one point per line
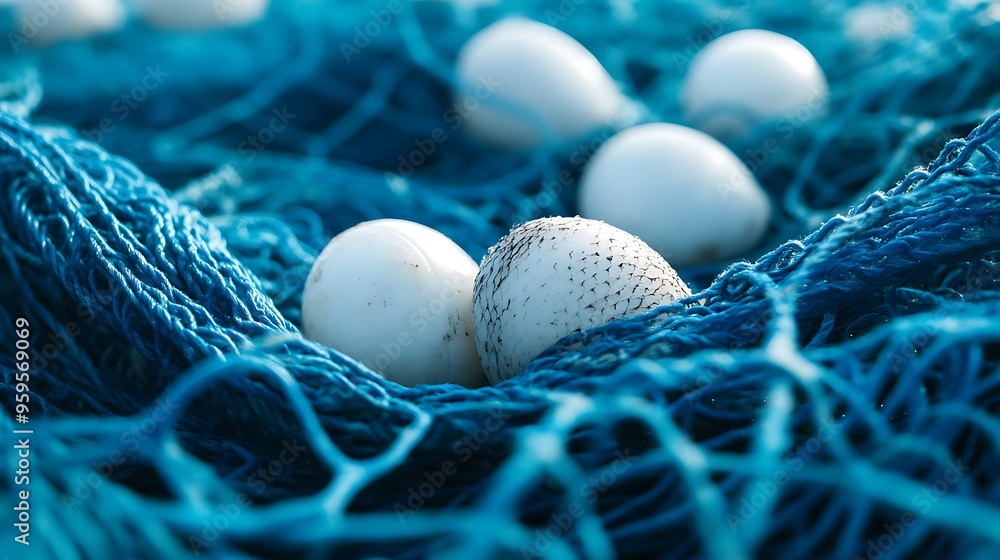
551 277
681 191
871 25
74 19
522 83
396 296
196 15
749 77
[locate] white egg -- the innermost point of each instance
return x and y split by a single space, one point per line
871 25
198 15
551 277
396 296
681 191
48 22
522 83
749 77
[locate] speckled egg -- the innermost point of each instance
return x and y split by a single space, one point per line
552 277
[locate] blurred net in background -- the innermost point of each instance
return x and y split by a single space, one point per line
837 398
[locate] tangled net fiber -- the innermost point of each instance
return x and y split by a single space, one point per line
834 396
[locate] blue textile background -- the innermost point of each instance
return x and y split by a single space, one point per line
163 196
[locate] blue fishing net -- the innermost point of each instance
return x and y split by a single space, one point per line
164 195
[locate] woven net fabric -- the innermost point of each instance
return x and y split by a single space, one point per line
163 196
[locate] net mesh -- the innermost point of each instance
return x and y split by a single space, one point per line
164 196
